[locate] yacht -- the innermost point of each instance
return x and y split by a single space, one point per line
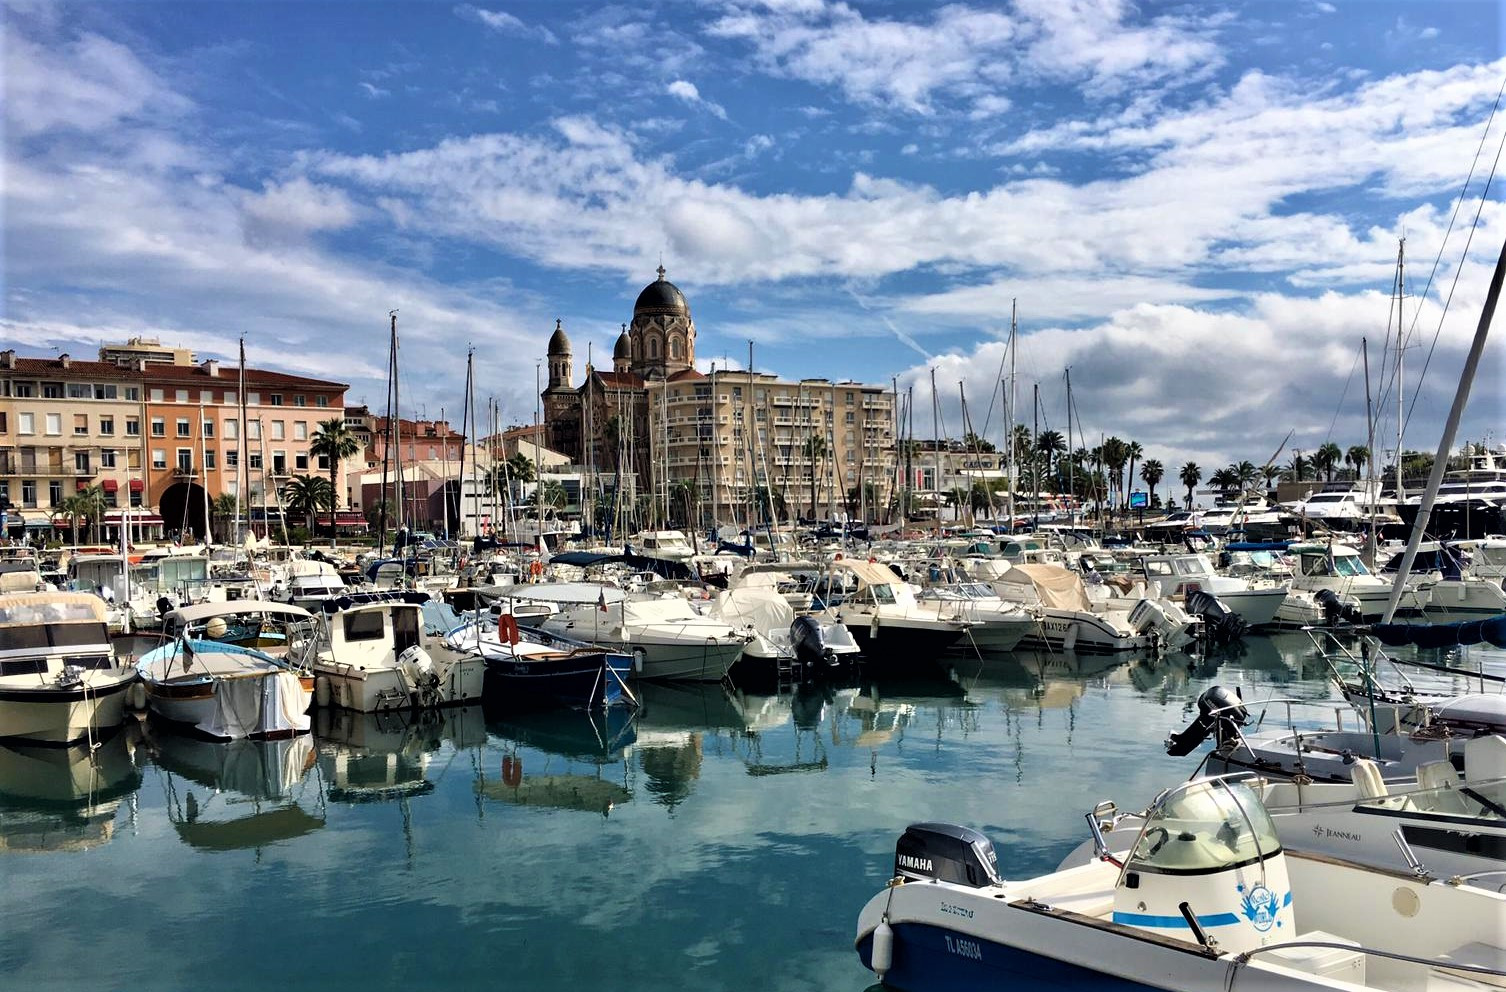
669 544
666 637
1471 503
59 679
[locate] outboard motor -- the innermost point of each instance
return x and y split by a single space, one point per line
1219 712
1221 625
947 853
1335 610
811 649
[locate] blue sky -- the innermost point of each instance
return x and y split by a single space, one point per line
1196 205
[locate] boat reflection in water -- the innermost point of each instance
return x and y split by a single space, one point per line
64 798
376 757
239 794
559 758
1035 679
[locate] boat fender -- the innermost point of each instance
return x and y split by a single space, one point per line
321 691
873 627
639 657
138 696
512 771
881 958
1070 641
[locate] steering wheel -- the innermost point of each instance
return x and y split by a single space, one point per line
1158 844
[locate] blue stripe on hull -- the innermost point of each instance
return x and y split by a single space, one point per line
933 959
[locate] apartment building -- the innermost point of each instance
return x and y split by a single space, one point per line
824 449
158 439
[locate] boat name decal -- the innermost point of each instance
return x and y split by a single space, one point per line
1321 832
947 907
963 947
1259 905
915 864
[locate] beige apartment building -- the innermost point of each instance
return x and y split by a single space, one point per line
822 449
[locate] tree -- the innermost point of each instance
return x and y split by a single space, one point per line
223 509
1357 455
521 468
548 497
973 442
1225 480
1270 473
334 442
814 449
1298 468
83 504
1190 476
1246 473
307 494
1115 455
1134 451
685 494
1152 471
1326 458
1048 444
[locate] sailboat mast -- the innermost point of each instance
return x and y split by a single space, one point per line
243 470
1035 470
1401 348
1071 475
1370 486
936 449
1010 399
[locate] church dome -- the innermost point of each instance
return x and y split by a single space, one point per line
559 344
661 296
624 348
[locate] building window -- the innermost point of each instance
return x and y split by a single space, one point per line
253 460
206 396
279 463
301 461
300 400
159 458
133 393
232 429
107 426
232 458
4 492
277 430
208 428
433 453
80 391
54 424
133 427
26 390
849 416
185 461
321 401
106 457
81 425
183 430
253 429
300 430
276 399
3 423
81 463
104 391
181 395
231 397
28 492
156 396
54 492
253 399
26 423
137 497
209 458
159 427
324 463
52 390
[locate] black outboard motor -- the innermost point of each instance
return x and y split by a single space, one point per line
811 649
1219 712
1335 610
1221 625
948 853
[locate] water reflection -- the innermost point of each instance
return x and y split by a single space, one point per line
240 794
560 759
379 757
63 798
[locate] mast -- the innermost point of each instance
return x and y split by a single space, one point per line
383 503
444 486
1009 401
1450 429
1071 475
936 451
1035 470
204 480
1401 348
242 469
897 422
1370 485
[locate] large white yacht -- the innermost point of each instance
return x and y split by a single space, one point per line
59 678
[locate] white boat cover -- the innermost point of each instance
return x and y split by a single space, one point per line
1058 588
51 607
760 607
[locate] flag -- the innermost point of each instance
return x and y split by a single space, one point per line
601 602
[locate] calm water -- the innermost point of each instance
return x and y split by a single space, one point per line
717 841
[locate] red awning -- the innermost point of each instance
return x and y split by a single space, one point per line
137 485
81 484
110 485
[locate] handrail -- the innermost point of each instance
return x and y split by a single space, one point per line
1481 969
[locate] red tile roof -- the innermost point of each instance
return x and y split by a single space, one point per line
230 373
684 374
75 370
621 380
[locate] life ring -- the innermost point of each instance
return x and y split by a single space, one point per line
837 556
507 628
512 772
535 568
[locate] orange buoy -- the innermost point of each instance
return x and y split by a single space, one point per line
507 628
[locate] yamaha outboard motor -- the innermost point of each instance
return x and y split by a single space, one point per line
810 644
946 852
1221 625
1335 610
1219 712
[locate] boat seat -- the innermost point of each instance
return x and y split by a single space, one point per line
1367 779
1485 758
1439 779
1476 953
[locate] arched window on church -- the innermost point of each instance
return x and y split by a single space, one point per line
653 348
674 348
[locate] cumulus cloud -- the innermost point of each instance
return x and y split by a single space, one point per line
83 85
687 92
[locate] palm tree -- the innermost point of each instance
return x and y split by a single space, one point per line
1270 472
223 508
549 496
520 467
1357 455
973 442
1298 467
1115 454
1327 457
1134 451
1152 471
1190 475
334 441
1247 473
83 503
1225 480
685 494
814 449
307 494
1047 445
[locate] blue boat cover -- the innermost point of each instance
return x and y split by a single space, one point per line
1442 635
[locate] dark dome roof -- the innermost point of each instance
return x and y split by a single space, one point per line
624 348
661 296
558 343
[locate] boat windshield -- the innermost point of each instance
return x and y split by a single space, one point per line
1475 800
1208 825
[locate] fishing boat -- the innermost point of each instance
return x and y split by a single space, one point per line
1204 897
60 681
384 651
225 690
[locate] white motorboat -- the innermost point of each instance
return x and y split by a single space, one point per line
993 624
885 618
1071 620
781 645
225 690
1205 897
667 638
59 678
1179 574
672 545
310 583
1339 569
387 651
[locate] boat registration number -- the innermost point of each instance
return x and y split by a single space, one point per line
963 947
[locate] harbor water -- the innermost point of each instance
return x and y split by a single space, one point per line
713 840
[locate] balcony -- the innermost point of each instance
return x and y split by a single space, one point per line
182 472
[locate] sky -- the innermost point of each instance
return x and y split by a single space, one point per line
1196 208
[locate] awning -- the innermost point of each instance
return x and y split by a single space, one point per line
111 485
38 523
137 485
138 517
80 484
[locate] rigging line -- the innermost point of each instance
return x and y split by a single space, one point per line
1474 226
1340 405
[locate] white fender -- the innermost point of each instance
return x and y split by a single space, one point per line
882 957
321 691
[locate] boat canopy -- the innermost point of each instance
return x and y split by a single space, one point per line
1438 635
642 563
52 607
1058 588
562 592
205 611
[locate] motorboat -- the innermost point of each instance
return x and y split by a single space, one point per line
993 624
530 666
1180 574
59 678
63 798
781 646
1339 569
665 636
1070 618
310 583
1447 579
1205 896
669 544
224 690
266 625
1471 503
885 618
381 651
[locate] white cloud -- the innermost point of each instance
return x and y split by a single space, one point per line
505 23
85 85
296 208
687 92
373 91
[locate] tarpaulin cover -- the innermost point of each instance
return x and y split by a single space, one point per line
1440 635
